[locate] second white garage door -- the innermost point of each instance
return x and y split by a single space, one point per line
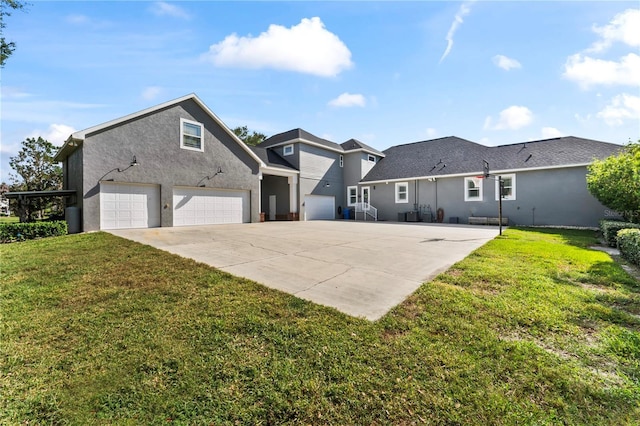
195 206
319 207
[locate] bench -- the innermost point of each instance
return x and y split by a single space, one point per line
479 220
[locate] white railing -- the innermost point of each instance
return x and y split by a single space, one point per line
367 210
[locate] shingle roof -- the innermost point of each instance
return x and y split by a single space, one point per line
294 134
352 144
452 155
271 158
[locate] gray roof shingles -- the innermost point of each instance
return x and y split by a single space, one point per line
271 158
453 155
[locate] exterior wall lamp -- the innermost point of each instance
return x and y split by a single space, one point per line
133 163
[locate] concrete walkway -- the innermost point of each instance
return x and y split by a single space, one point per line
360 268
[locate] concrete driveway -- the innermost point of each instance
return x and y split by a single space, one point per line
360 268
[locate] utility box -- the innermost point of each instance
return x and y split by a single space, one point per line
402 217
412 216
454 219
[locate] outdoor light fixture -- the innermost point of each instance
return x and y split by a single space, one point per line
219 172
327 184
133 163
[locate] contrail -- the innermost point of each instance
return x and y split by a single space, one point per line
464 10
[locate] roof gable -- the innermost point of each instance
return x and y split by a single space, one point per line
75 139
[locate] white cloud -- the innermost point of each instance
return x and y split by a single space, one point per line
348 100
307 48
621 108
57 134
162 8
624 27
512 118
431 132
506 63
463 11
78 19
551 132
150 93
587 71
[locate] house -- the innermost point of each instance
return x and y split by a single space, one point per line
178 164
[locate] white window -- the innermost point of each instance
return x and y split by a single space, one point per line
402 192
287 150
371 158
472 189
191 135
341 160
352 195
508 187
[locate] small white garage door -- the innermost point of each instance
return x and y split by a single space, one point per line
129 206
199 206
319 207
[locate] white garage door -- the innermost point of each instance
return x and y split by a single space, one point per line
319 207
196 206
129 206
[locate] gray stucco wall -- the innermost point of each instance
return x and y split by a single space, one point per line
317 167
543 197
155 141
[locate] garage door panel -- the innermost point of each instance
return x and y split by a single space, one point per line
319 207
125 206
194 206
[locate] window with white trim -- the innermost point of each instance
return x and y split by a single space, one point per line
352 195
341 160
508 187
191 135
371 158
472 189
402 192
287 150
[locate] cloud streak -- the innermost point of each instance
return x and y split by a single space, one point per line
348 100
463 11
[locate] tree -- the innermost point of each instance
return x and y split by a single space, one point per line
615 182
7 48
252 139
35 171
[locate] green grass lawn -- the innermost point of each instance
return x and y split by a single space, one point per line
9 219
532 328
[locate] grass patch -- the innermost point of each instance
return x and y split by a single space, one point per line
532 328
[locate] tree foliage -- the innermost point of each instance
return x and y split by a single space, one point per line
252 139
35 171
7 48
615 182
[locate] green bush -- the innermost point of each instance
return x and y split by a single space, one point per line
610 230
12 232
629 245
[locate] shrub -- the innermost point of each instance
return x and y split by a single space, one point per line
12 232
610 230
629 244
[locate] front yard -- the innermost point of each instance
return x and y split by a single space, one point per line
532 328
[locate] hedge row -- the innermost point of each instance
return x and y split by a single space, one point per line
12 232
610 230
629 245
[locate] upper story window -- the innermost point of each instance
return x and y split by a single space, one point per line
352 195
341 160
191 135
402 192
287 150
508 187
371 158
472 189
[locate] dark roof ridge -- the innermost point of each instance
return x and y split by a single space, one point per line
549 140
436 139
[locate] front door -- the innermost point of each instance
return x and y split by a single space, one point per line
272 207
365 197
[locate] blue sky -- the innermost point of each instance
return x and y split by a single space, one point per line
386 73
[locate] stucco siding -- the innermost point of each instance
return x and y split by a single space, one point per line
317 168
155 141
544 197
